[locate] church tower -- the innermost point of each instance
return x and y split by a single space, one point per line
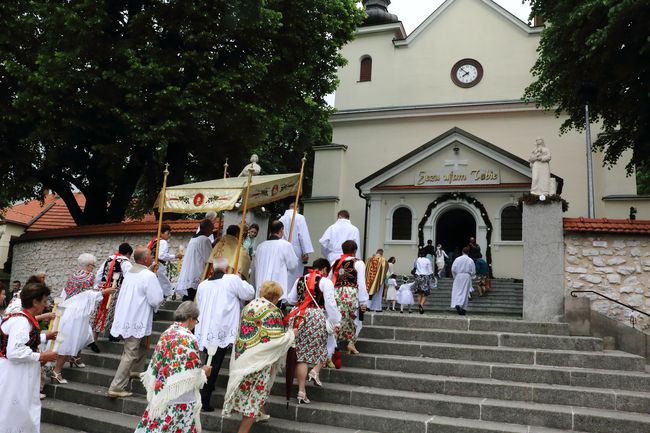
377 11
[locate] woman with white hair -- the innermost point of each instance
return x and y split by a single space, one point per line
79 302
174 377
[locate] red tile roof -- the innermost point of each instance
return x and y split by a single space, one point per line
57 215
604 225
181 226
23 213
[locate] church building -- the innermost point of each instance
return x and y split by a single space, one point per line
431 138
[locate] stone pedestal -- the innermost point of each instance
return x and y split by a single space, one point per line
543 237
261 219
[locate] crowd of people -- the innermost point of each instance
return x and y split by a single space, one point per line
269 309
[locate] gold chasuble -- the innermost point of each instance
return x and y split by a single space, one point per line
227 248
376 269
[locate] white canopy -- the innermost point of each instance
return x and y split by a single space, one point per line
222 194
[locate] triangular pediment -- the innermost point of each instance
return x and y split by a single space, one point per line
455 159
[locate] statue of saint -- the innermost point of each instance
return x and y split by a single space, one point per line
252 166
539 162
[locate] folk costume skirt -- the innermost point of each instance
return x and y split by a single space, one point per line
177 418
251 394
423 284
311 338
348 304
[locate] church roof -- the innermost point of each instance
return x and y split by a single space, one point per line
605 225
507 16
377 13
412 157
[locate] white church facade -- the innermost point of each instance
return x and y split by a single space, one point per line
431 138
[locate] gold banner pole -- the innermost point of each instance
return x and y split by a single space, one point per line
298 192
225 169
161 211
243 221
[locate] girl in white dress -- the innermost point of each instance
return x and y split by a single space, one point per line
391 294
405 297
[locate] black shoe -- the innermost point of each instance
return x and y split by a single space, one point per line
94 347
114 339
401 311
207 408
463 312
421 309
459 310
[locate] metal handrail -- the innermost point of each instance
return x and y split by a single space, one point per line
632 319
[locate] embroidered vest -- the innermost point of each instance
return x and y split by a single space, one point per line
34 335
318 294
117 268
347 274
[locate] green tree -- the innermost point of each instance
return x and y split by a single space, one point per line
97 94
598 50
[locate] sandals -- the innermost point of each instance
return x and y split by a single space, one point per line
75 362
56 377
313 376
302 398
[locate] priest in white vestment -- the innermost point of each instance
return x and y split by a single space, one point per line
140 296
196 257
275 260
462 270
300 240
342 230
20 363
219 300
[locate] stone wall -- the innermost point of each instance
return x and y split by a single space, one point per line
58 257
617 266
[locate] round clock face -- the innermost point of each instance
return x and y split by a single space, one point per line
466 73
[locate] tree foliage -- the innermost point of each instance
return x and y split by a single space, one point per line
97 94
598 51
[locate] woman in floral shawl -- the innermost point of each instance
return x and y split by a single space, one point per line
174 377
260 348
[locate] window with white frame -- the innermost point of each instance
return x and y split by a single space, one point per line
402 224
511 223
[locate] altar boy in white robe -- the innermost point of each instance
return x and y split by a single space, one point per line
342 230
194 261
140 296
219 300
463 270
164 257
20 362
300 240
275 260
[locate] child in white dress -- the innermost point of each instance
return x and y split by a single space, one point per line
405 297
391 293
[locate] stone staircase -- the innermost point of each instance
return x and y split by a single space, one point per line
416 374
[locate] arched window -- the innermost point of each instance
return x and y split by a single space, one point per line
402 224
365 72
511 224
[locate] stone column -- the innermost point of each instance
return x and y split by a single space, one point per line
543 237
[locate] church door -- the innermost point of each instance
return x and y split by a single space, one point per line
453 230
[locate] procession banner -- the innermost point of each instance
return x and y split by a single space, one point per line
223 194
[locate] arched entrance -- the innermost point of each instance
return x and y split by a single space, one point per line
453 229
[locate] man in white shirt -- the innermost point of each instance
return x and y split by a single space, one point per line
140 296
219 300
342 230
463 270
194 261
300 240
275 260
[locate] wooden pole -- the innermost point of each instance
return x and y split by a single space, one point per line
298 192
161 211
225 169
243 221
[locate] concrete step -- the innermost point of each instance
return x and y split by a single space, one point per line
53 428
465 323
554 375
483 338
609 360
345 381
